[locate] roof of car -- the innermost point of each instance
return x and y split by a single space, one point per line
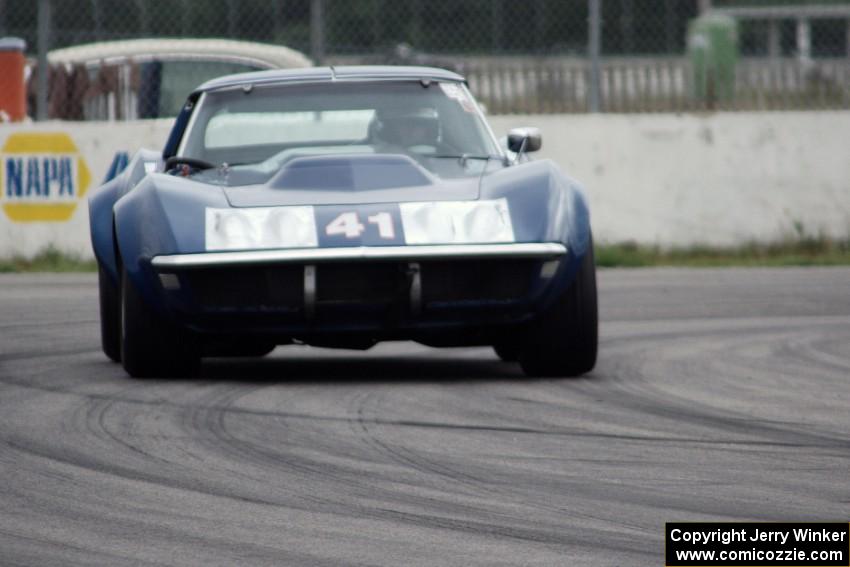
332 74
258 54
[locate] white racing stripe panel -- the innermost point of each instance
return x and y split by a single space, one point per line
260 228
424 223
457 222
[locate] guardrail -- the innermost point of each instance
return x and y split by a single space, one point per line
657 84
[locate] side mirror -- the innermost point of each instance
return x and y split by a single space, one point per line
524 140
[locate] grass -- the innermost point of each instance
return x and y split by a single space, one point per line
806 251
803 251
48 260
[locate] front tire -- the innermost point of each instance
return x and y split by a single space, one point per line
110 316
150 345
564 341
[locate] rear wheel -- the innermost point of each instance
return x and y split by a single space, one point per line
150 345
110 316
564 341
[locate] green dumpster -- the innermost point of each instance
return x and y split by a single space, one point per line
713 51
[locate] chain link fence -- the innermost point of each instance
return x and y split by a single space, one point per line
127 59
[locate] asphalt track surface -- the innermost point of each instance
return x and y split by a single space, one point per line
719 395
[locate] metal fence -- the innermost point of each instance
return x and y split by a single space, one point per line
538 56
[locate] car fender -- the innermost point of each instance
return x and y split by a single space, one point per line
163 214
102 202
546 206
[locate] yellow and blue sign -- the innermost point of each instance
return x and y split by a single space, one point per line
43 177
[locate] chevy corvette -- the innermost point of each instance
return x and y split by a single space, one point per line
341 207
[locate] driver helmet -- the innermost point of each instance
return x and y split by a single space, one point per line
406 127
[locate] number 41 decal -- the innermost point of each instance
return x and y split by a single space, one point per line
349 224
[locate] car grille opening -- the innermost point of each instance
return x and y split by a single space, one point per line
476 281
263 288
381 282
281 288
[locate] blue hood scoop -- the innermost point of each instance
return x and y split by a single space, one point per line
350 173
352 179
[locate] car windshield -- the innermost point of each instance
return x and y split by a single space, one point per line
256 131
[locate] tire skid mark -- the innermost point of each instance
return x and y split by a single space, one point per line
245 451
480 487
78 460
401 456
102 424
25 355
807 351
209 418
353 487
645 397
62 549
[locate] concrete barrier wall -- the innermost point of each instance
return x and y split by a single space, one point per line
719 179
671 180
47 172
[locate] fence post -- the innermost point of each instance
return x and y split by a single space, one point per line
495 25
774 39
43 48
317 31
594 52
670 42
804 40
232 19
144 16
416 24
847 38
185 17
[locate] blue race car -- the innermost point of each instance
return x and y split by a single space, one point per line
340 207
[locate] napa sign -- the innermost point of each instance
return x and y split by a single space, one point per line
43 177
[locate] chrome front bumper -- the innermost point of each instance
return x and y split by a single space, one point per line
543 251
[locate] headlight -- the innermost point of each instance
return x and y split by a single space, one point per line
425 223
290 227
243 229
237 230
457 222
486 223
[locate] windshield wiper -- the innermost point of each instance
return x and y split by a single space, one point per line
465 157
238 163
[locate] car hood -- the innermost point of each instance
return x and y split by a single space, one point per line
342 180
166 214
